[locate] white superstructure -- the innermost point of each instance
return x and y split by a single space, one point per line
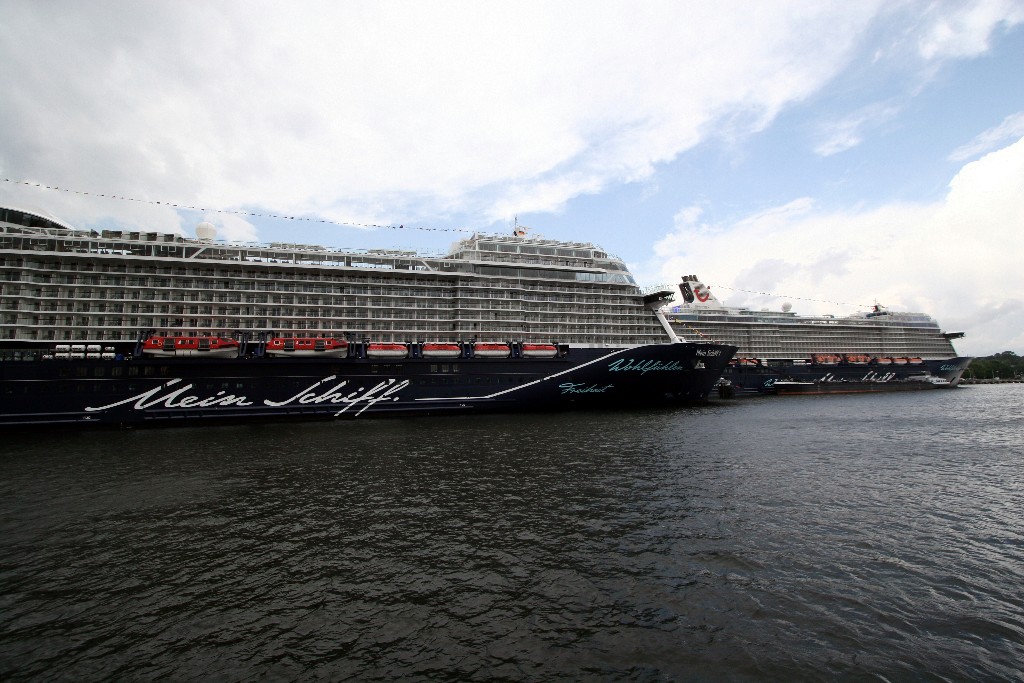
60 283
784 335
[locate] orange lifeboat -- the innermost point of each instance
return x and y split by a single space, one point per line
883 360
384 350
307 347
857 359
175 345
490 350
915 361
441 350
899 361
540 350
826 359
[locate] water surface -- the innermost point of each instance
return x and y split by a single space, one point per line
804 538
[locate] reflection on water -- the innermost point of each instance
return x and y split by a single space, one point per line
787 539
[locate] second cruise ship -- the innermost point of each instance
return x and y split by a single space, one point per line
878 350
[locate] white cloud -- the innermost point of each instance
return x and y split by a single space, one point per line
839 136
1011 128
956 259
963 29
395 109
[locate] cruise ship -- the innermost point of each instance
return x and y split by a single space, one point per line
877 350
132 327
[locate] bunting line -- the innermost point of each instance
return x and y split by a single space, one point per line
783 296
236 212
697 332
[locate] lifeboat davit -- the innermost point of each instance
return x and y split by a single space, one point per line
383 350
190 346
491 350
307 347
441 350
540 350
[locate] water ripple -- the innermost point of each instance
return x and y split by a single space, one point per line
865 538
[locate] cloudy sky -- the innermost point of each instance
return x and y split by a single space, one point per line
829 154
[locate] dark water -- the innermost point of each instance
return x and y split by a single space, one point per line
806 538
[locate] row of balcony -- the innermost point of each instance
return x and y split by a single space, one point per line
227 278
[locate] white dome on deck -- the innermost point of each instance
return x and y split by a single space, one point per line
206 231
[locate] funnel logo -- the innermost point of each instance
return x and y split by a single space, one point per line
687 292
702 293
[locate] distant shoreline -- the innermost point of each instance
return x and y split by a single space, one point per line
966 380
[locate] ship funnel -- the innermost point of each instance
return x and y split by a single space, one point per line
696 294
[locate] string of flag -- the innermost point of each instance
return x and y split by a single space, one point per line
237 212
798 298
697 332
254 214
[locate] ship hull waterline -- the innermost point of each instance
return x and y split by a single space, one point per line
159 391
787 388
760 380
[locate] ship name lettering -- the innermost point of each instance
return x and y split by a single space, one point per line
307 395
153 397
382 391
578 388
180 398
644 366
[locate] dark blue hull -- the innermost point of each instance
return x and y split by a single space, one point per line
759 379
152 391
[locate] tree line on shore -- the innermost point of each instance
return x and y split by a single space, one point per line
1005 365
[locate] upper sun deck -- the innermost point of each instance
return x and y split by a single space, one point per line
36 220
521 244
480 254
538 251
